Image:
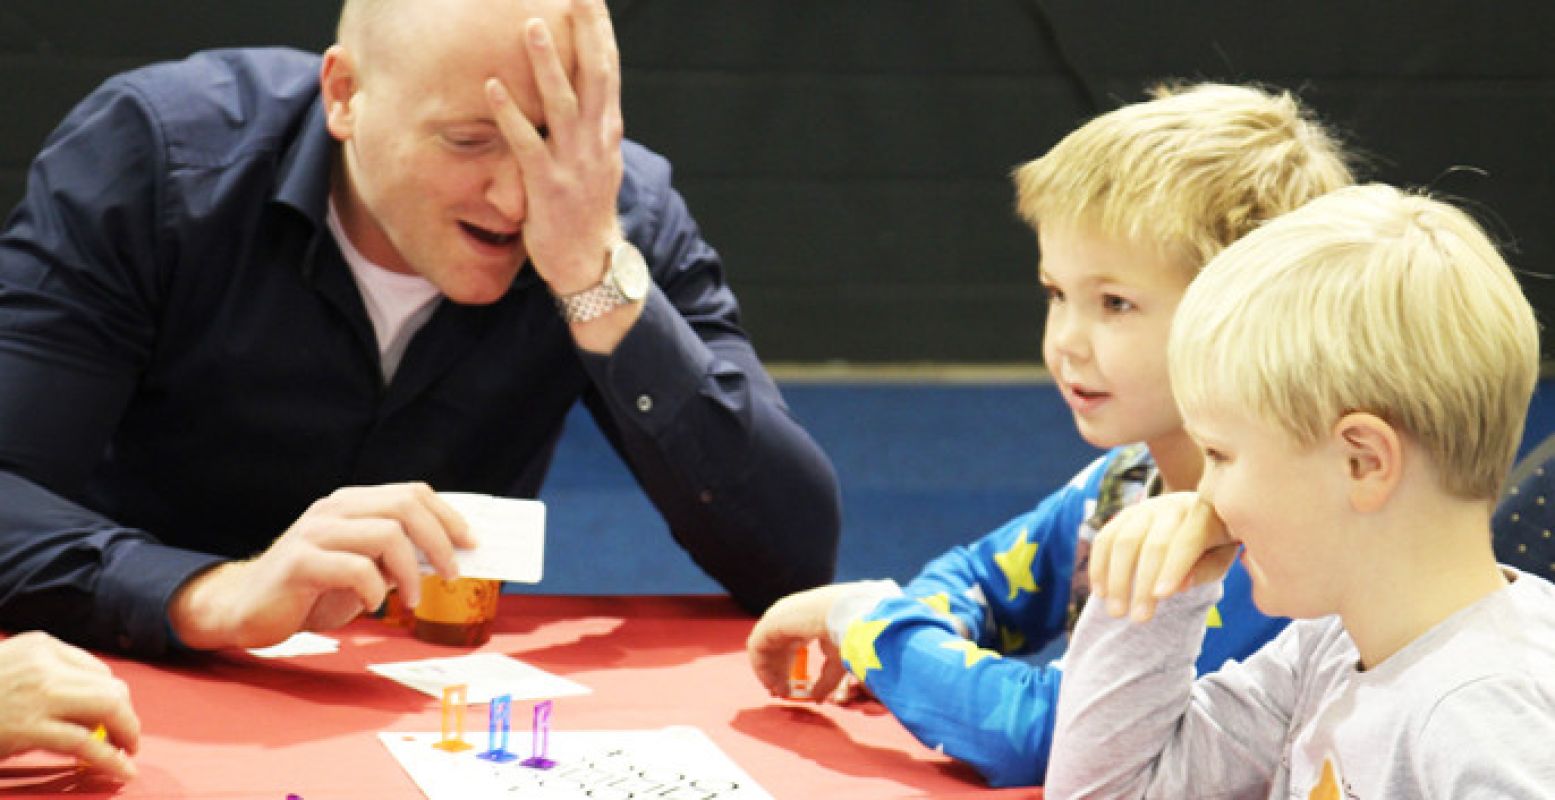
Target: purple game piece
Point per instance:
(540, 742)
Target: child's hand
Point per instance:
(1148, 552)
(792, 623)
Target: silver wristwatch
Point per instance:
(626, 281)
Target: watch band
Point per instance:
(591, 303)
(625, 281)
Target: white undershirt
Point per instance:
(398, 304)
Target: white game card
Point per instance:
(511, 536)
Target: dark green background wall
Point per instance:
(849, 157)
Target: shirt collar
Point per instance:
(303, 177)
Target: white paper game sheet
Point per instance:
(674, 763)
(485, 675)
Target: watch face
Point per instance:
(629, 271)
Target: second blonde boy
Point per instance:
(1127, 209)
(1357, 374)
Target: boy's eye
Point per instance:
(1115, 303)
(1053, 293)
(1214, 456)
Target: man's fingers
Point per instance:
(328, 569)
(454, 523)
(412, 512)
(599, 61)
(556, 92)
(516, 128)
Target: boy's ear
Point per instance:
(1374, 457)
(337, 87)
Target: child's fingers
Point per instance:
(1127, 535)
(832, 673)
(1181, 551)
(1188, 550)
(770, 661)
(1157, 542)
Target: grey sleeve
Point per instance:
(1132, 721)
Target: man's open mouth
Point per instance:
(489, 237)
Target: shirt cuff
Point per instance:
(137, 587)
(655, 369)
(860, 599)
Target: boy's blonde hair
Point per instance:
(1369, 299)
(1189, 172)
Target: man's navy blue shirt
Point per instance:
(186, 365)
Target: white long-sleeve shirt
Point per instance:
(1467, 710)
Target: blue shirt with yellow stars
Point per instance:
(936, 656)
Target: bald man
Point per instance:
(256, 305)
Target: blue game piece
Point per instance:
(500, 712)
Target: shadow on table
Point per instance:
(54, 779)
(248, 688)
(626, 634)
(818, 738)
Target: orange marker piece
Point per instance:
(799, 674)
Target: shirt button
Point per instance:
(644, 403)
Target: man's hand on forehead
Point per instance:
(571, 172)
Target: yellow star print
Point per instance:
(1015, 563)
(1327, 787)
(858, 646)
(1214, 617)
(969, 650)
(939, 602)
(1011, 639)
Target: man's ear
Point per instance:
(1374, 459)
(337, 89)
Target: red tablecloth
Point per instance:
(235, 726)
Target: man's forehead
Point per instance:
(468, 25)
(442, 44)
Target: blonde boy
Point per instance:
(1126, 209)
(1357, 375)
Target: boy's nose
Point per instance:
(1068, 336)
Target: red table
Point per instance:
(235, 726)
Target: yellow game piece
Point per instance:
(453, 707)
(99, 734)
